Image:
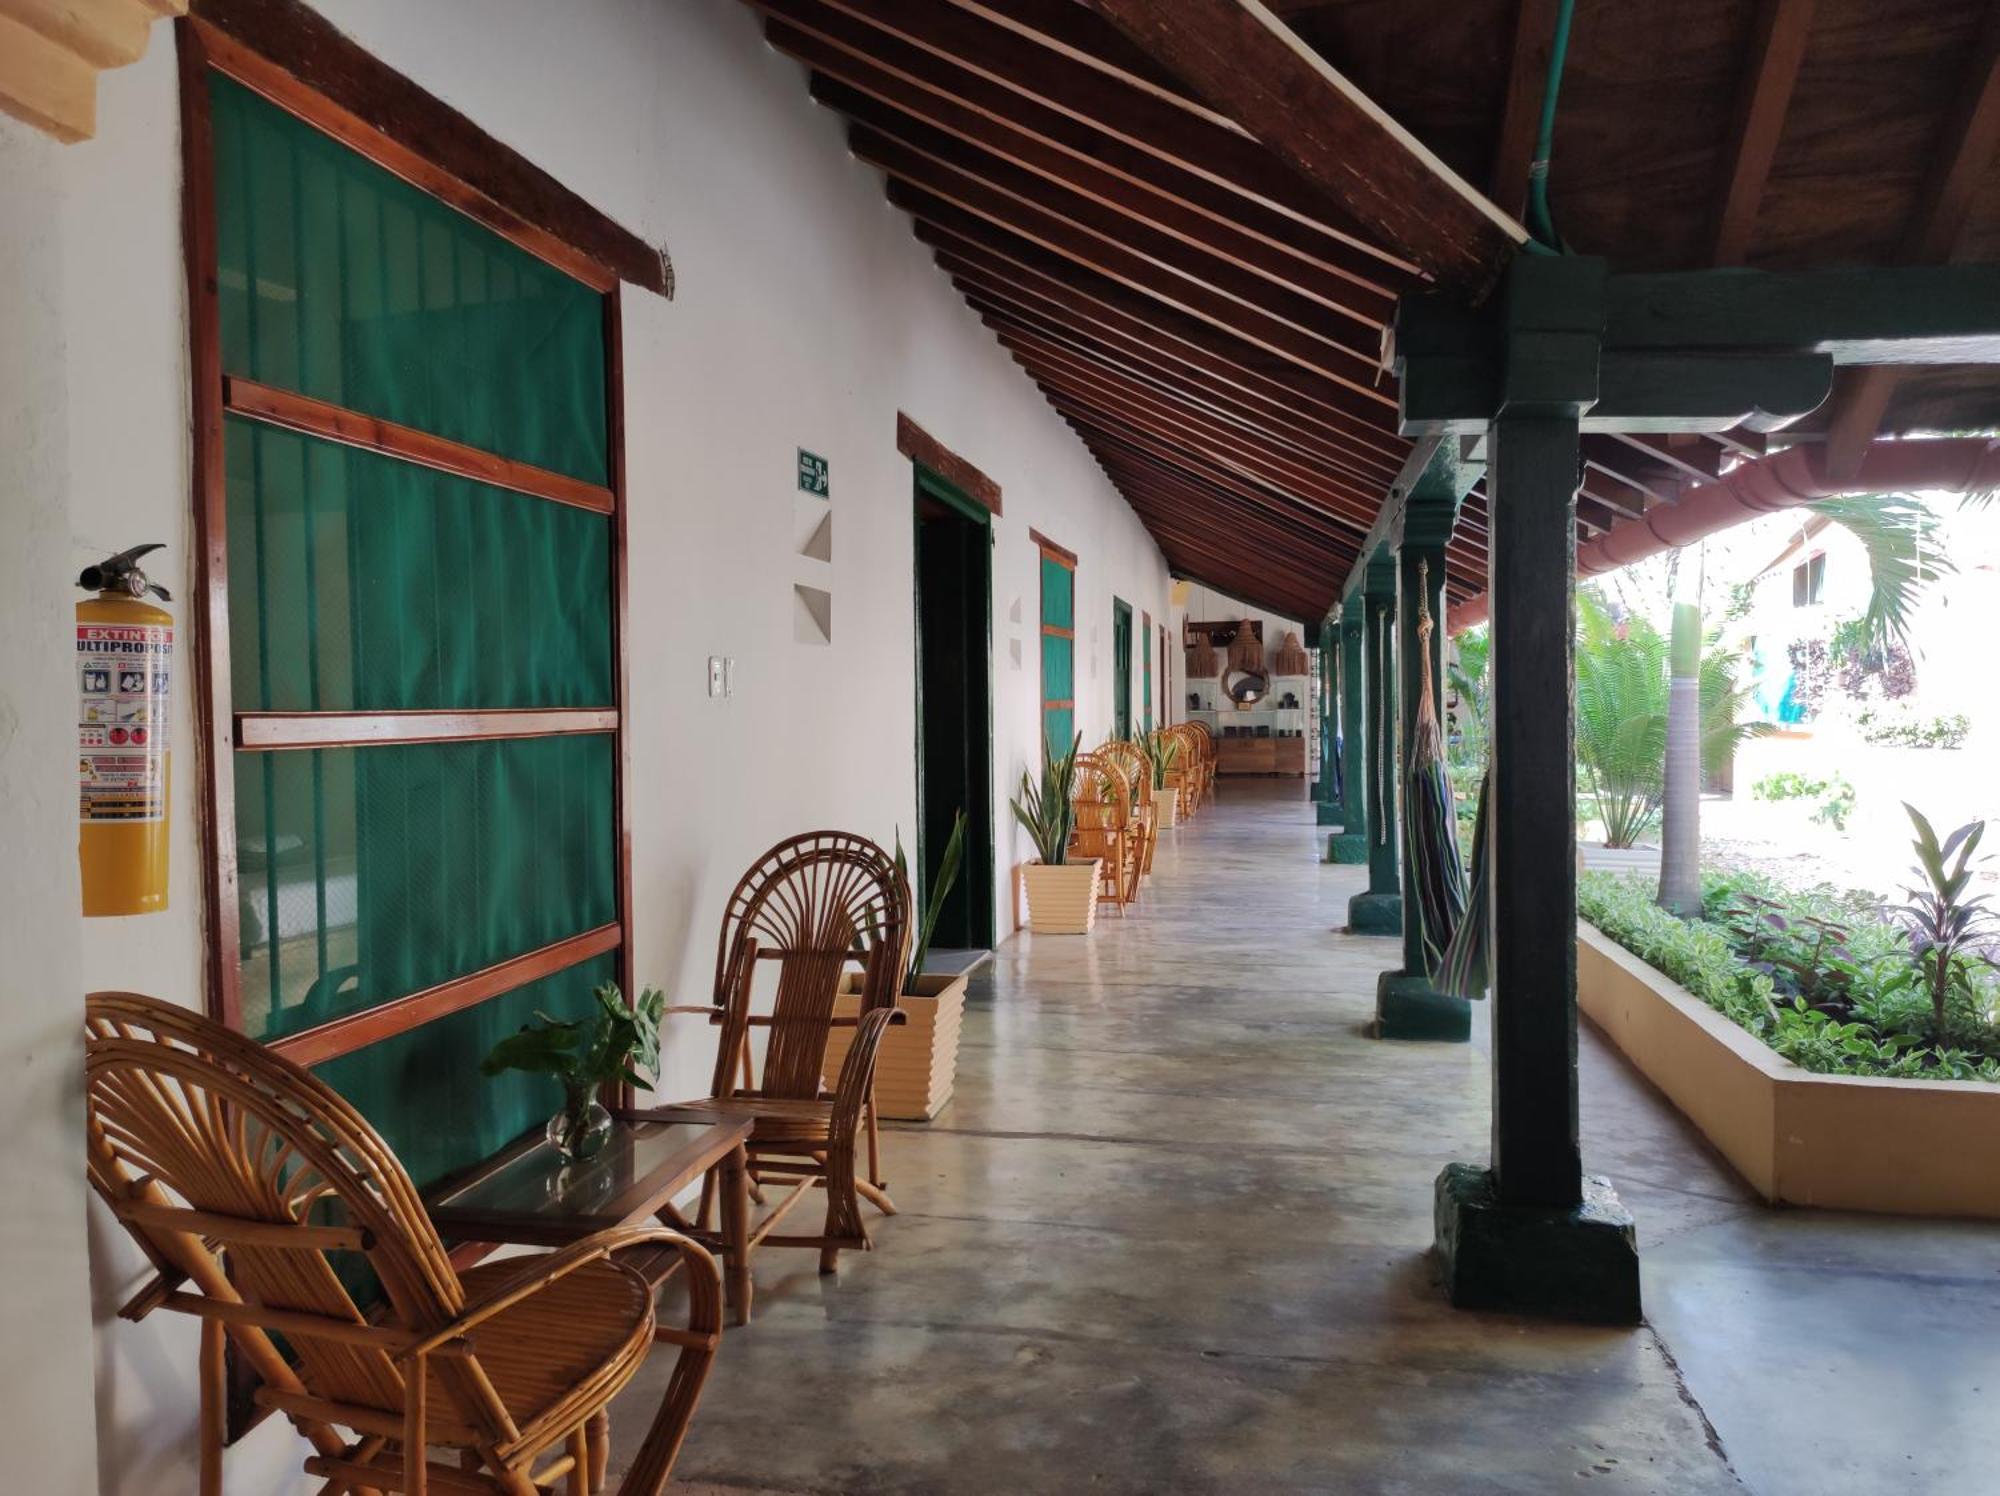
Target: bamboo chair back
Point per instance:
(1138, 771)
(196, 1132)
(815, 904)
(1131, 762)
(1104, 826)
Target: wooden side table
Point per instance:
(529, 1194)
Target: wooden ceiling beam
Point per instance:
(1274, 422)
(963, 138)
(1520, 114)
(920, 153)
(1142, 119)
(1229, 531)
(1284, 507)
(918, 185)
(1233, 537)
(1225, 531)
(1697, 461)
(1965, 152)
(944, 225)
(1294, 483)
(1256, 70)
(1216, 452)
(1182, 350)
(1777, 47)
(1057, 344)
(1039, 137)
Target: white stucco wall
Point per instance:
(807, 315)
(45, 1415)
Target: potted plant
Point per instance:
(614, 1043)
(918, 1062)
(1163, 751)
(1062, 895)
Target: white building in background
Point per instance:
(1816, 578)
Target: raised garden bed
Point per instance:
(1903, 1147)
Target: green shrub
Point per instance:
(1846, 1004)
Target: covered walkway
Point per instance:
(1171, 1237)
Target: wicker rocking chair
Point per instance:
(1138, 771)
(244, 1178)
(1105, 829)
(816, 905)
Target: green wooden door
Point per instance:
(1121, 668)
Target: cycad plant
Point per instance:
(1622, 694)
(1044, 806)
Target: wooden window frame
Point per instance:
(221, 733)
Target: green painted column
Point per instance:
(1329, 809)
(1530, 1232)
(1379, 910)
(1407, 1004)
(1350, 843)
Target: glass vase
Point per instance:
(581, 1129)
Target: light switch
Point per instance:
(729, 675)
(716, 676)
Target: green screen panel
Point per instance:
(359, 582)
(339, 280)
(423, 1092)
(1058, 594)
(370, 873)
(1058, 668)
(1059, 729)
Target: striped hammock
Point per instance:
(1463, 970)
(1430, 814)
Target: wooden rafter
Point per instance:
(1777, 48)
(949, 95)
(1965, 151)
(1254, 68)
(1527, 79)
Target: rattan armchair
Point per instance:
(250, 1185)
(1138, 771)
(1101, 798)
(816, 906)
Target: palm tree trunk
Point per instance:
(1680, 832)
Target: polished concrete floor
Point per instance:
(1171, 1236)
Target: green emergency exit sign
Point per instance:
(813, 474)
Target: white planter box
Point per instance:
(1061, 900)
(918, 1062)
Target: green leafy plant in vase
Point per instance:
(615, 1042)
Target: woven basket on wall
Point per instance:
(1291, 658)
(1203, 663)
(1246, 650)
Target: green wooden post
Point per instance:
(1407, 1004)
(1350, 843)
(1530, 1232)
(1379, 910)
(1329, 809)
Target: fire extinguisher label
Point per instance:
(124, 677)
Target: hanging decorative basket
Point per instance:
(1246, 650)
(1203, 663)
(1291, 658)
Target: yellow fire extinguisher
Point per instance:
(124, 676)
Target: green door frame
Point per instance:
(1121, 668)
(976, 870)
